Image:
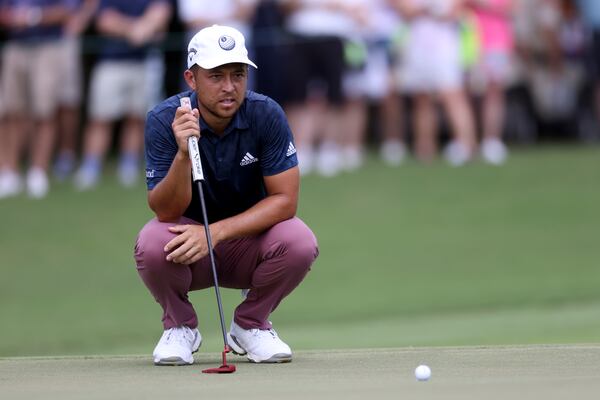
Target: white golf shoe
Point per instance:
(260, 346)
(176, 346)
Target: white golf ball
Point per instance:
(423, 373)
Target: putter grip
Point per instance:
(193, 149)
(194, 152)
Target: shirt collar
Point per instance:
(239, 121)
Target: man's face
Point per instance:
(221, 90)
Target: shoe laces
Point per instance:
(264, 333)
(180, 334)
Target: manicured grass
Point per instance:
(466, 373)
(416, 255)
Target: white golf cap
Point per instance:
(218, 45)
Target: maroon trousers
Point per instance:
(271, 265)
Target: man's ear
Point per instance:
(190, 79)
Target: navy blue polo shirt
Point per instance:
(258, 142)
(35, 34)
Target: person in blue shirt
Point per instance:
(251, 189)
(31, 76)
(119, 87)
(81, 14)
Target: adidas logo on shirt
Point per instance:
(248, 159)
(291, 150)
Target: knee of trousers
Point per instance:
(149, 251)
(296, 246)
(303, 249)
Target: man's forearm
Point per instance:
(115, 24)
(280, 204)
(87, 10)
(157, 17)
(172, 196)
(263, 215)
(54, 15)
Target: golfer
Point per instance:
(251, 188)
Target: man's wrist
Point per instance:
(217, 232)
(182, 156)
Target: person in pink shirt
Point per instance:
(493, 19)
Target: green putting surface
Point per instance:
(519, 372)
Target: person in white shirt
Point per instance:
(432, 69)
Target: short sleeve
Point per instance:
(278, 152)
(160, 150)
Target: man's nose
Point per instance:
(228, 83)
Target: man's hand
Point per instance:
(187, 247)
(185, 124)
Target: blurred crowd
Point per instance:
(422, 78)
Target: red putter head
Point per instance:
(223, 369)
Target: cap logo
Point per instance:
(191, 54)
(226, 42)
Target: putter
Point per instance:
(198, 176)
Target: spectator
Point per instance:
(432, 68)
(31, 68)
(550, 69)
(369, 80)
(269, 41)
(119, 89)
(3, 192)
(494, 29)
(314, 70)
(71, 89)
(391, 113)
(384, 36)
